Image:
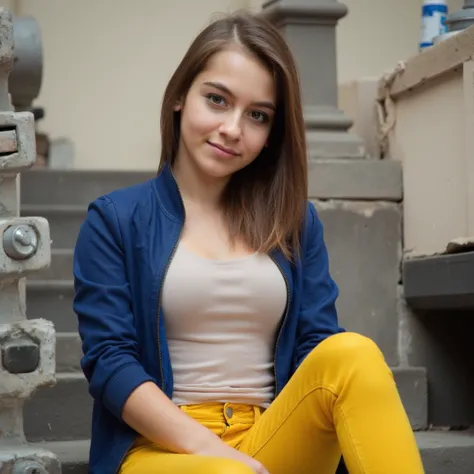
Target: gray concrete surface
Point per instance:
(442, 453)
(412, 384)
(76, 187)
(355, 179)
(61, 413)
(64, 222)
(447, 452)
(364, 245)
(441, 341)
(52, 300)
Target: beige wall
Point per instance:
(106, 64)
(376, 34)
(10, 4)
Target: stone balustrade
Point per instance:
(27, 347)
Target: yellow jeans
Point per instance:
(342, 398)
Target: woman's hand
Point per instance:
(152, 414)
(217, 448)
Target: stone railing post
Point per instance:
(27, 348)
(309, 27)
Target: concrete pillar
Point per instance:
(27, 348)
(309, 27)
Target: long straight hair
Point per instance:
(264, 203)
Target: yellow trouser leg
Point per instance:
(343, 396)
(146, 457)
(150, 460)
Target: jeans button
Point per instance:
(229, 412)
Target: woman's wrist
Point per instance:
(203, 441)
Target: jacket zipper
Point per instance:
(163, 281)
(158, 318)
(287, 310)
(159, 306)
(158, 334)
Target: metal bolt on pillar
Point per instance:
(27, 347)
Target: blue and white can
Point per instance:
(433, 21)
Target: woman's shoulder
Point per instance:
(312, 222)
(129, 196)
(124, 201)
(312, 232)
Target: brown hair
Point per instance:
(265, 202)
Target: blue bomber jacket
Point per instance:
(123, 250)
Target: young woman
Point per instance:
(205, 304)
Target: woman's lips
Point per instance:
(222, 150)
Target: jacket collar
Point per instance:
(168, 193)
(170, 199)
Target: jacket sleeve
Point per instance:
(103, 306)
(317, 318)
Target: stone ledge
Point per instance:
(428, 65)
(442, 453)
(48, 187)
(447, 452)
(439, 282)
(355, 179)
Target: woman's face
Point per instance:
(227, 114)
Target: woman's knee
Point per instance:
(346, 347)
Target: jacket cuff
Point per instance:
(121, 385)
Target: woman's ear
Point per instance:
(179, 105)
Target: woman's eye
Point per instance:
(216, 99)
(259, 116)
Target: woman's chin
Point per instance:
(217, 170)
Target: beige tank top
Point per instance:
(221, 318)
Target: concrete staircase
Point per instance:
(60, 416)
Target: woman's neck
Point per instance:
(202, 191)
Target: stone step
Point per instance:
(68, 352)
(360, 179)
(443, 452)
(447, 452)
(59, 413)
(49, 187)
(48, 415)
(60, 268)
(52, 299)
(64, 221)
(411, 382)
